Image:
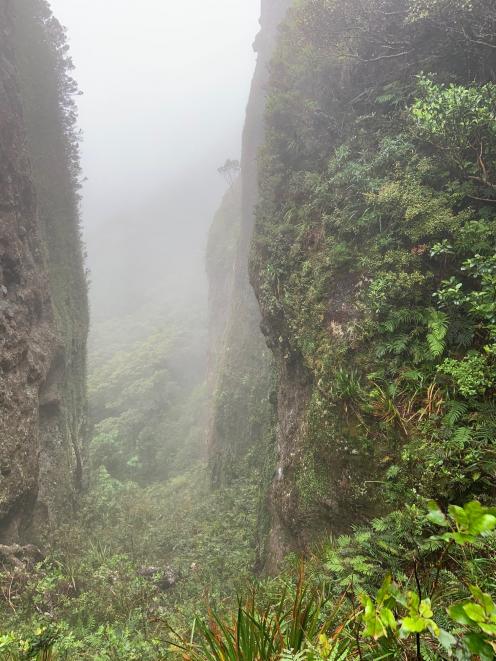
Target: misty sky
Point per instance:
(165, 86)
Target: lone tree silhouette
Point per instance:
(229, 170)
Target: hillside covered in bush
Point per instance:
(316, 479)
(373, 257)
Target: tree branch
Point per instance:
(381, 57)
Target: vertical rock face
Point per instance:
(241, 373)
(274, 538)
(272, 13)
(26, 321)
(42, 345)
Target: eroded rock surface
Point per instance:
(40, 464)
(26, 325)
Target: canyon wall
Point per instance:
(43, 303)
(241, 430)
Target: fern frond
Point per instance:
(461, 437)
(485, 433)
(437, 324)
(403, 317)
(379, 525)
(455, 411)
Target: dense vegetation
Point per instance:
(374, 265)
(89, 601)
(151, 540)
(374, 255)
(147, 401)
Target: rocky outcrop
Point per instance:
(164, 578)
(47, 92)
(26, 320)
(19, 557)
(241, 430)
(41, 414)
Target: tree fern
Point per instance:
(413, 375)
(363, 536)
(379, 525)
(343, 541)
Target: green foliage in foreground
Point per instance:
(375, 268)
(414, 585)
(439, 605)
(89, 593)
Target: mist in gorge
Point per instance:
(247, 330)
(164, 91)
(128, 115)
(165, 87)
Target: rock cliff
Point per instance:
(241, 430)
(43, 304)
